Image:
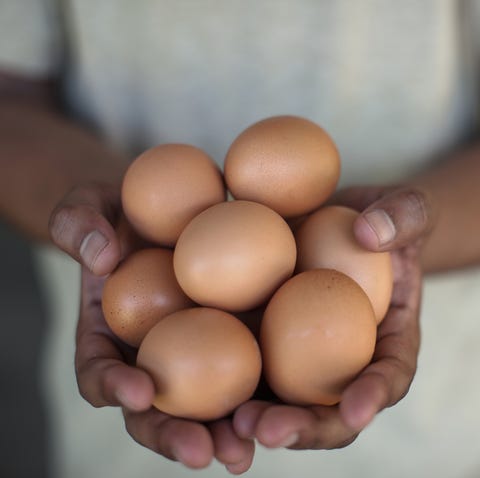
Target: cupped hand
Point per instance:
(88, 225)
(392, 219)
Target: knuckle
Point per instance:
(131, 426)
(138, 429)
(87, 193)
(403, 387)
(69, 223)
(86, 393)
(418, 202)
(58, 223)
(92, 381)
(404, 371)
(62, 221)
(418, 207)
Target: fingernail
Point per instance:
(288, 441)
(382, 225)
(92, 245)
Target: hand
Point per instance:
(392, 219)
(88, 225)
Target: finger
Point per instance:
(81, 225)
(234, 452)
(180, 440)
(284, 426)
(102, 375)
(388, 378)
(109, 382)
(246, 417)
(382, 385)
(359, 197)
(366, 397)
(394, 220)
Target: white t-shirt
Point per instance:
(395, 83)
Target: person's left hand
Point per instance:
(392, 219)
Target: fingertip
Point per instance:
(374, 229)
(361, 402)
(246, 417)
(234, 452)
(194, 458)
(280, 426)
(239, 468)
(81, 226)
(395, 220)
(99, 252)
(357, 417)
(364, 234)
(134, 400)
(132, 388)
(193, 448)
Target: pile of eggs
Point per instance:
(273, 257)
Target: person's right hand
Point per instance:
(88, 226)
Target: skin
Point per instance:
(35, 135)
(419, 221)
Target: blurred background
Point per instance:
(24, 426)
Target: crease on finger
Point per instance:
(143, 428)
(95, 382)
(230, 449)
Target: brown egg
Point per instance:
(168, 185)
(204, 363)
(325, 240)
(318, 332)
(234, 255)
(288, 163)
(140, 292)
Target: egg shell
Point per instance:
(204, 363)
(318, 332)
(166, 186)
(288, 163)
(140, 292)
(234, 255)
(326, 240)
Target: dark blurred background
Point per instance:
(24, 438)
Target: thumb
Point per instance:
(395, 219)
(81, 225)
